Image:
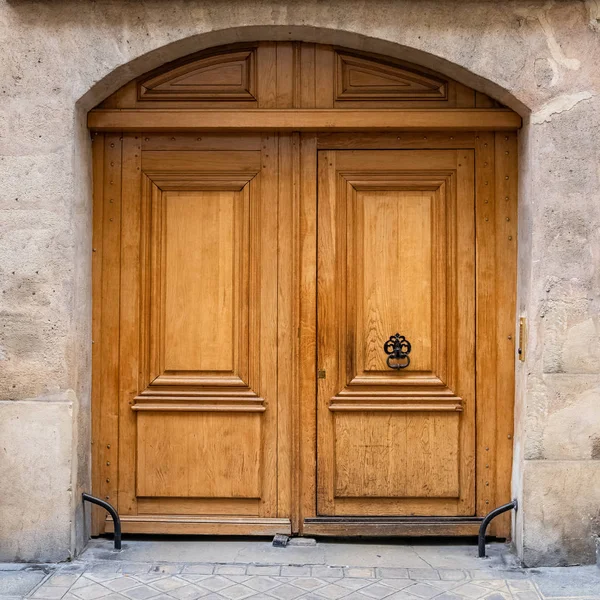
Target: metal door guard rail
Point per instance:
(486, 521)
(113, 513)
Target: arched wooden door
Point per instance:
(304, 296)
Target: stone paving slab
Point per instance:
(17, 581)
(126, 580)
(208, 569)
(363, 554)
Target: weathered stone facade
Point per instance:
(59, 59)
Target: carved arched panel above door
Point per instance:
(293, 75)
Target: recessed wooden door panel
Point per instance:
(396, 255)
(199, 428)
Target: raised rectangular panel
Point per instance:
(226, 75)
(394, 275)
(202, 301)
(399, 279)
(396, 455)
(199, 455)
(202, 256)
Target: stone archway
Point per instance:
(355, 40)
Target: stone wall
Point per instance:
(60, 58)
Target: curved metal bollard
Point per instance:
(486, 521)
(113, 513)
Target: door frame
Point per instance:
(297, 89)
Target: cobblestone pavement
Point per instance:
(122, 580)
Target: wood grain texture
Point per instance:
(286, 76)
(288, 422)
(416, 527)
(221, 76)
(207, 406)
(506, 179)
(393, 263)
(196, 327)
(202, 525)
(178, 160)
(110, 326)
(194, 141)
(202, 237)
(394, 141)
(194, 309)
(130, 315)
(389, 455)
(289, 74)
(316, 119)
(487, 361)
(307, 329)
(265, 343)
(267, 75)
(98, 514)
(464, 290)
(199, 455)
(358, 78)
(324, 81)
(198, 506)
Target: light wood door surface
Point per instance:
(198, 338)
(245, 288)
(396, 255)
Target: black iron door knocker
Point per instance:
(397, 348)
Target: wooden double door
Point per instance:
(290, 331)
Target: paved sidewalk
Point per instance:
(115, 577)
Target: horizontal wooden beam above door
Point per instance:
(303, 119)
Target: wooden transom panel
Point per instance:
(227, 76)
(293, 75)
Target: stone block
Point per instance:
(37, 506)
(560, 512)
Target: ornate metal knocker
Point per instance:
(397, 348)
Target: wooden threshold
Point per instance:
(149, 120)
(192, 525)
(392, 526)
